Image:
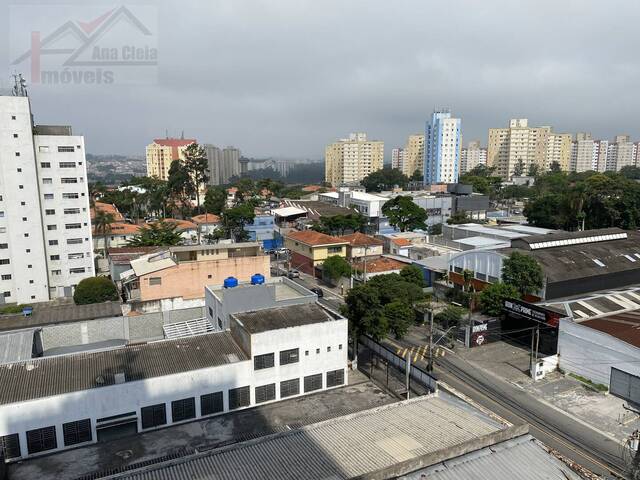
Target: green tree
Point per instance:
(340, 224)
(157, 234)
(235, 219)
(215, 236)
(404, 214)
(399, 317)
(102, 222)
(215, 200)
(393, 287)
(534, 170)
(555, 167)
(458, 218)
(522, 272)
(179, 185)
(196, 165)
(452, 315)
(413, 274)
(417, 176)
(335, 267)
(385, 179)
(518, 170)
(95, 290)
(435, 229)
(630, 171)
(493, 296)
(363, 310)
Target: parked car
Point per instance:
(317, 291)
(293, 274)
(281, 251)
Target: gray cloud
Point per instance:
(286, 77)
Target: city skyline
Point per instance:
(275, 103)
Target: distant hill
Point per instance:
(114, 169)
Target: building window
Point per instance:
(10, 445)
(66, 149)
(261, 362)
(48, 196)
(306, 353)
(47, 181)
(6, 276)
(17, 154)
(312, 383)
(239, 397)
(334, 249)
(77, 270)
(67, 164)
(211, 403)
(41, 439)
(52, 227)
(13, 117)
(56, 272)
(70, 195)
(154, 415)
(6, 294)
(155, 281)
(75, 256)
(289, 356)
(69, 180)
(50, 211)
(43, 149)
(45, 164)
(4, 261)
(289, 388)
(71, 211)
(340, 347)
(19, 170)
(54, 257)
(264, 393)
(77, 432)
(328, 348)
(335, 378)
(71, 226)
(183, 409)
(73, 241)
(317, 351)
(3, 246)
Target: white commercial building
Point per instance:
(280, 344)
(45, 229)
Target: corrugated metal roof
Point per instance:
(44, 377)
(342, 448)
(16, 346)
(521, 458)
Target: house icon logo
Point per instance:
(87, 46)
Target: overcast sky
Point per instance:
(286, 77)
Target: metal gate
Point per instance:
(625, 385)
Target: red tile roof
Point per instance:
(311, 188)
(119, 228)
(107, 208)
(361, 240)
(205, 218)
(174, 142)
(313, 238)
(182, 224)
(379, 265)
(401, 242)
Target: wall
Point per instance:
(591, 354)
(357, 252)
(188, 279)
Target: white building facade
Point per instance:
(443, 141)
(45, 227)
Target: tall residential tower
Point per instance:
(351, 159)
(442, 148)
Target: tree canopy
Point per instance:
(336, 267)
(215, 200)
(95, 290)
(385, 179)
(522, 272)
(235, 219)
(493, 296)
(339, 224)
(157, 234)
(404, 214)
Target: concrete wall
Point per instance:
(188, 279)
(358, 251)
(591, 354)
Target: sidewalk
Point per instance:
(602, 411)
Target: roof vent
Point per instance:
(119, 378)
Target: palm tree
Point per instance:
(102, 222)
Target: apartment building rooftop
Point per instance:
(48, 376)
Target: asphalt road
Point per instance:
(580, 443)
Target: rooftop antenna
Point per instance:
(182, 136)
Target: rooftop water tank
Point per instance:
(230, 282)
(257, 279)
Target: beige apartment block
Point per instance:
(517, 144)
(559, 150)
(472, 156)
(162, 152)
(413, 155)
(351, 159)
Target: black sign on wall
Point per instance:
(532, 312)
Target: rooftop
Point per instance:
(561, 238)
(215, 246)
(283, 317)
(361, 240)
(106, 208)
(401, 242)
(288, 211)
(598, 303)
(623, 326)
(205, 218)
(313, 238)
(47, 313)
(48, 376)
(379, 265)
(119, 228)
(320, 209)
(364, 443)
(174, 142)
(181, 224)
(16, 346)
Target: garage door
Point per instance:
(625, 385)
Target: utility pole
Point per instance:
(531, 364)
(408, 372)
(429, 314)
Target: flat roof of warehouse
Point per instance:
(48, 376)
(283, 317)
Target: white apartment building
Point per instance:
(222, 164)
(45, 227)
(351, 159)
(621, 153)
(443, 142)
(472, 156)
(397, 158)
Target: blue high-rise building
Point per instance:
(442, 144)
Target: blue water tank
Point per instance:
(257, 279)
(230, 282)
